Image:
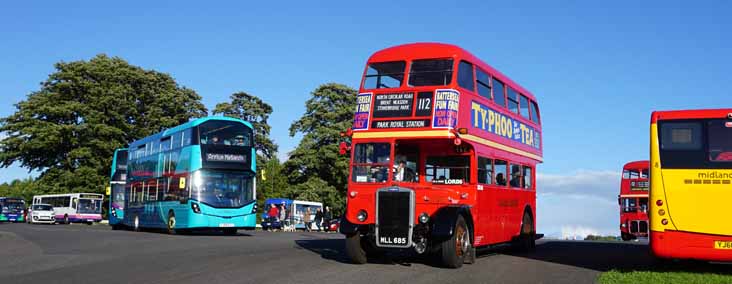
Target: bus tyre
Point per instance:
(455, 249)
(136, 224)
(66, 220)
(626, 237)
(171, 223)
(526, 241)
(116, 227)
(355, 251)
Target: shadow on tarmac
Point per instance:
(618, 256)
(598, 256)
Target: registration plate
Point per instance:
(226, 225)
(722, 245)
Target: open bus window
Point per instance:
(720, 141)
(644, 173)
(515, 176)
(405, 167)
(501, 168)
(448, 170)
(384, 75)
(371, 162)
(430, 72)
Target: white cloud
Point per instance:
(575, 205)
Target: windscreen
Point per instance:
(42, 208)
(696, 144)
(371, 162)
(224, 189)
(13, 206)
(231, 133)
(90, 206)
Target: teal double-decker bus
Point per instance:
(117, 181)
(198, 175)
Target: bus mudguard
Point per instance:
(443, 221)
(347, 228)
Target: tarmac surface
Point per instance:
(97, 254)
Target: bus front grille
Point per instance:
(394, 217)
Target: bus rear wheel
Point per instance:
(526, 241)
(455, 249)
(171, 223)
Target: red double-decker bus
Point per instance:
(444, 151)
(633, 201)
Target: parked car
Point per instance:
(41, 213)
(334, 224)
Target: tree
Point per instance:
(68, 129)
(316, 166)
(254, 110)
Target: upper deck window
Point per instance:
(534, 112)
(524, 106)
(430, 72)
(513, 102)
(465, 75)
(483, 81)
(384, 75)
(498, 92)
(218, 132)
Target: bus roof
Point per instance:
(637, 165)
(691, 114)
(184, 126)
(428, 50)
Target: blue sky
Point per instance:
(598, 70)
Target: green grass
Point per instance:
(615, 276)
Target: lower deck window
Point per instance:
(448, 170)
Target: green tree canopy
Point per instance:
(68, 129)
(316, 166)
(254, 110)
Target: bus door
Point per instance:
(484, 215)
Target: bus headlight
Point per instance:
(254, 208)
(195, 208)
(424, 218)
(114, 212)
(197, 179)
(362, 215)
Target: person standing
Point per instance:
(272, 214)
(283, 216)
(318, 218)
(327, 216)
(306, 219)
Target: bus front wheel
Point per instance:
(136, 226)
(355, 249)
(455, 249)
(66, 220)
(171, 223)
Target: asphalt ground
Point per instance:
(97, 254)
